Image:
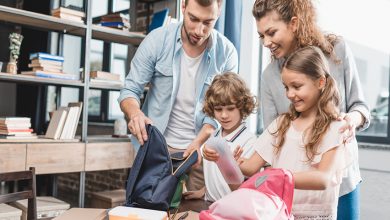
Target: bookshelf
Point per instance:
(83, 153)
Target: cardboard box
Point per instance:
(9, 213)
(130, 213)
(108, 199)
(83, 214)
(47, 207)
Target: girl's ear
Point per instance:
(322, 83)
(294, 23)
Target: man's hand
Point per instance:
(137, 124)
(210, 154)
(192, 147)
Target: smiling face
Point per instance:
(303, 91)
(277, 35)
(228, 116)
(198, 22)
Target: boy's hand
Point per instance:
(198, 194)
(237, 152)
(240, 160)
(210, 154)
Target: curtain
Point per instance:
(229, 22)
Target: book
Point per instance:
(40, 61)
(159, 19)
(104, 75)
(10, 120)
(70, 123)
(114, 24)
(13, 137)
(56, 124)
(46, 56)
(69, 17)
(80, 107)
(69, 11)
(46, 69)
(15, 126)
(45, 74)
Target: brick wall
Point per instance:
(68, 184)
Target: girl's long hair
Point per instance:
(308, 33)
(311, 62)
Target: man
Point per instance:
(179, 61)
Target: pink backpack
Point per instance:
(266, 195)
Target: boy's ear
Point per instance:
(294, 23)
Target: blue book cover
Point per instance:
(159, 19)
(46, 56)
(106, 23)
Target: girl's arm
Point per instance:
(321, 178)
(252, 165)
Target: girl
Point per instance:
(306, 139)
(229, 101)
(285, 26)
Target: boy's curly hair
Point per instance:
(229, 89)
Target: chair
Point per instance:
(29, 194)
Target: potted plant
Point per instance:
(14, 47)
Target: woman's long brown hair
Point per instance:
(308, 33)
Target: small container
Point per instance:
(120, 127)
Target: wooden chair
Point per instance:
(29, 194)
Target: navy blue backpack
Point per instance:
(154, 177)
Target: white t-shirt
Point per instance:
(216, 186)
(180, 130)
(307, 204)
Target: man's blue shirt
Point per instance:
(157, 61)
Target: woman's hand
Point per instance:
(352, 120)
(210, 154)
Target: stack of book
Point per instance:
(16, 128)
(117, 20)
(64, 121)
(48, 66)
(70, 13)
(104, 78)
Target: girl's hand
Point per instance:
(237, 152)
(210, 154)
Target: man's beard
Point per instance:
(188, 35)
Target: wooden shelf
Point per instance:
(116, 36)
(108, 86)
(48, 22)
(18, 78)
(40, 139)
(38, 20)
(106, 138)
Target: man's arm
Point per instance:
(137, 119)
(202, 136)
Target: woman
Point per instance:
(285, 26)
